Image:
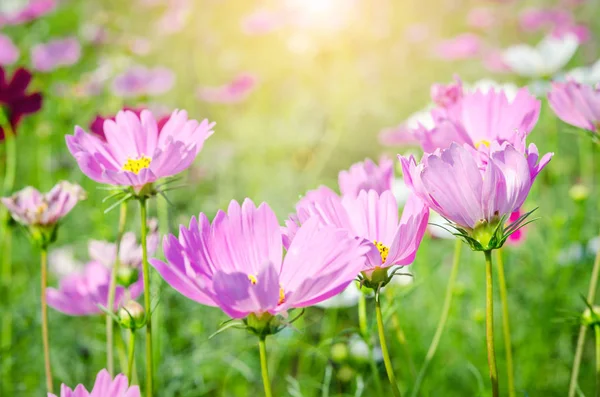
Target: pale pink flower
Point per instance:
(576, 104)
(367, 175)
(9, 53)
(263, 21)
(233, 92)
(481, 18)
(141, 81)
(236, 262)
(104, 386)
(33, 9)
(55, 54)
(463, 46)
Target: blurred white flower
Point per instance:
(347, 298)
(570, 254)
(543, 60)
(585, 74)
(62, 261)
(436, 231)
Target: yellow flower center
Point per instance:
(252, 279)
(482, 142)
(281, 296)
(383, 250)
(136, 165)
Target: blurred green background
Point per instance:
(322, 97)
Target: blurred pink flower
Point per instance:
(9, 53)
(79, 294)
(403, 135)
(140, 46)
(262, 21)
(534, 19)
(519, 236)
(447, 95)
(481, 18)
(417, 32)
(367, 175)
(463, 46)
(135, 152)
(233, 92)
(141, 81)
(582, 32)
(494, 62)
(369, 217)
(104, 386)
(55, 53)
(29, 207)
(576, 104)
(30, 11)
(175, 17)
(236, 263)
(470, 189)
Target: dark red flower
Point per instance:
(97, 125)
(14, 101)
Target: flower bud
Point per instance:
(263, 324)
(132, 315)
(345, 374)
(339, 352)
(591, 318)
(127, 275)
(579, 192)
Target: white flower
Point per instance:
(436, 231)
(543, 60)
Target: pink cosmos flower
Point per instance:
(463, 46)
(32, 208)
(79, 294)
(9, 53)
(580, 31)
(136, 153)
(55, 54)
(370, 217)
(367, 175)
(141, 81)
(480, 118)
(236, 263)
(175, 17)
(30, 11)
(235, 91)
(471, 189)
(104, 386)
(576, 104)
(97, 125)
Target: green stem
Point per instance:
(131, 356)
(489, 323)
(112, 288)
(597, 333)
(506, 326)
(384, 350)
(147, 303)
(583, 329)
(444, 317)
(44, 279)
(264, 366)
(6, 339)
(364, 333)
(121, 350)
(11, 158)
